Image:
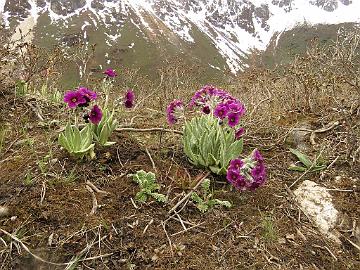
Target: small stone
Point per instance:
(54, 160)
(13, 218)
(338, 178)
(290, 237)
(4, 211)
(154, 258)
(282, 241)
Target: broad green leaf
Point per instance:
(297, 168)
(302, 157)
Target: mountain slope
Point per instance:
(232, 27)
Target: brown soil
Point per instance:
(263, 230)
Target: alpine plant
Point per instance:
(213, 137)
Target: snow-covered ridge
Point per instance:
(234, 26)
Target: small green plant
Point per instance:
(311, 166)
(146, 182)
(28, 180)
(21, 88)
(206, 202)
(2, 137)
(209, 144)
(104, 129)
(78, 142)
(269, 230)
(52, 94)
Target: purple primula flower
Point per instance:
(233, 175)
(128, 104)
(257, 156)
(236, 106)
(236, 179)
(74, 98)
(239, 133)
(130, 95)
(252, 172)
(95, 115)
(110, 73)
(236, 164)
(88, 94)
(174, 111)
(129, 99)
(221, 111)
(233, 119)
(206, 110)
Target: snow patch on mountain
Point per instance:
(233, 26)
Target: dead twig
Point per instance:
(94, 200)
(149, 130)
(147, 226)
(43, 192)
(168, 238)
(327, 249)
(28, 250)
(202, 178)
(151, 159)
(188, 229)
(97, 190)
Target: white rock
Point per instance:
(316, 202)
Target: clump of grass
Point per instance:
(269, 232)
(2, 137)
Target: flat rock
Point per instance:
(316, 202)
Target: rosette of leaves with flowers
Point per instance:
(212, 137)
(98, 124)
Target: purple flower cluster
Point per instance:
(110, 73)
(247, 174)
(129, 99)
(232, 109)
(206, 96)
(221, 103)
(174, 111)
(81, 98)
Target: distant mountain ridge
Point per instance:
(233, 27)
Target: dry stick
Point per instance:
(149, 130)
(95, 188)
(96, 257)
(167, 236)
(333, 162)
(43, 192)
(28, 250)
(189, 194)
(151, 159)
(188, 229)
(184, 221)
(82, 252)
(354, 245)
(327, 249)
(181, 221)
(340, 190)
(147, 226)
(94, 201)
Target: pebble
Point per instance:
(4, 211)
